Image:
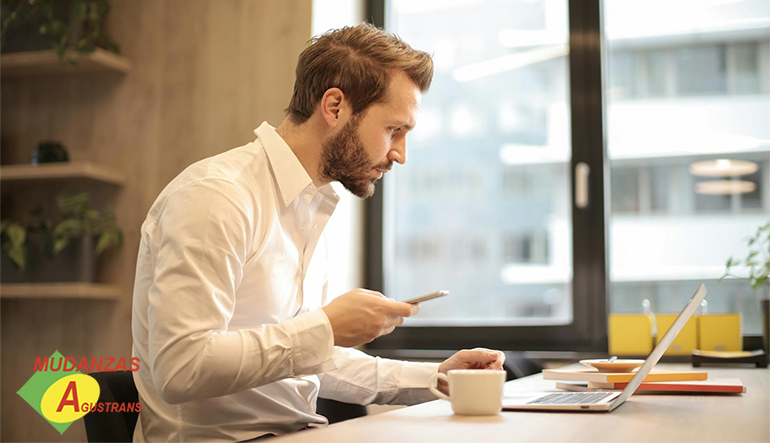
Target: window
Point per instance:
(485, 208)
(671, 226)
(690, 69)
(701, 70)
(496, 145)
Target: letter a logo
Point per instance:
(71, 388)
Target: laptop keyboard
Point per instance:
(571, 398)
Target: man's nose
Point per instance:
(398, 152)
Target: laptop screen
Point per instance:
(664, 343)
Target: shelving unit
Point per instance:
(53, 291)
(83, 171)
(78, 170)
(42, 63)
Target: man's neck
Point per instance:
(306, 141)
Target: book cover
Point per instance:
(724, 385)
(621, 377)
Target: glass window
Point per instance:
(746, 68)
(625, 190)
(701, 70)
(482, 208)
(656, 69)
(672, 225)
(624, 71)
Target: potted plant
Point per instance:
(44, 251)
(757, 260)
(758, 263)
(64, 25)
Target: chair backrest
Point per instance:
(115, 387)
(517, 366)
(337, 411)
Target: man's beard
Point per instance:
(344, 159)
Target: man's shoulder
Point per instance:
(240, 171)
(240, 164)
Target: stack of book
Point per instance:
(656, 381)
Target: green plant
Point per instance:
(77, 218)
(69, 25)
(14, 235)
(757, 260)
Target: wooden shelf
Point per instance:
(40, 63)
(78, 170)
(57, 291)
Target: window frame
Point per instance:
(588, 332)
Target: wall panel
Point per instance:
(205, 74)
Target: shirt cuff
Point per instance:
(414, 382)
(312, 343)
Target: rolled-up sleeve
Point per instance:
(205, 230)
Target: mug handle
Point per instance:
(432, 385)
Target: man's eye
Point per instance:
(395, 131)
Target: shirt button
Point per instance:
(315, 226)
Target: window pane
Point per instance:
(746, 67)
(701, 70)
(657, 62)
(483, 208)
(703, 97)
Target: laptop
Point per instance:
(604, 401)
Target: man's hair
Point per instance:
(360, 61)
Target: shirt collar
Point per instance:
(291, 176)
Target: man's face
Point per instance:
(368, 144)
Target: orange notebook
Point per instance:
(719, 385)
(622, 377)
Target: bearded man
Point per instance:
(231, 319)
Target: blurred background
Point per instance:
(666, 103)
(484, 208)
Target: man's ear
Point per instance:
(333, 107)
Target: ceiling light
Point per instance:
(723, 168)
(725, 187)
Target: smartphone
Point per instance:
(426, 297)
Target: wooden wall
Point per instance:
(205, 74)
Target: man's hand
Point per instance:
(360, 316)
(478, 358)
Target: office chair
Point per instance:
(337, 411)
(115, 387)
(119, 426)
(517, 366)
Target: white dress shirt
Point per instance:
(226, 309)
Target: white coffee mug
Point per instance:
(472, 391)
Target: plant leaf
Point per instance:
(14, 236)
(104, 242)
(59, 245)
(69, 228)
(17, 256)
(70, 202)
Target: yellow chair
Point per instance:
(630, 334)
(720, 332)
(685, 341)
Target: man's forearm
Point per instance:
(364, 379)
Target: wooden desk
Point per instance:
(642, 418)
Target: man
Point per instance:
(230, 315)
